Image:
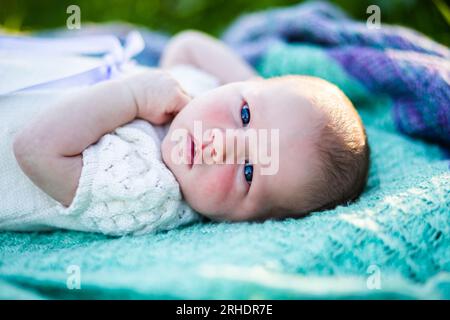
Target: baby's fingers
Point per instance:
(180, 101)
(173, 102)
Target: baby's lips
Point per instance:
(187, 152)
(197, 152)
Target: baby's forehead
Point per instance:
(286, 109)
(286, 96)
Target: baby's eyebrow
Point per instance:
(256, 107)
(251, 101)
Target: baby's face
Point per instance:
(226, 179)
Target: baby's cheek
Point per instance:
(219, 182)
(215, 114)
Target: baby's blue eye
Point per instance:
(245, 114)
(248, 172)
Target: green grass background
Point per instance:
(213, 16)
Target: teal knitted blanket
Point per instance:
(392, 243)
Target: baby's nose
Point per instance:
(225, 146)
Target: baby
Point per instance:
(319, 156)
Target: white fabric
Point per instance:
(124, 187)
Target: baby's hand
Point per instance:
(158, 96)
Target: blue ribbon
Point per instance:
(115, 56)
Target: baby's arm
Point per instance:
(208, 54)
(49, 149)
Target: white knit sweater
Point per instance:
(124, 187)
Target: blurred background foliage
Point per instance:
(430, 17)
